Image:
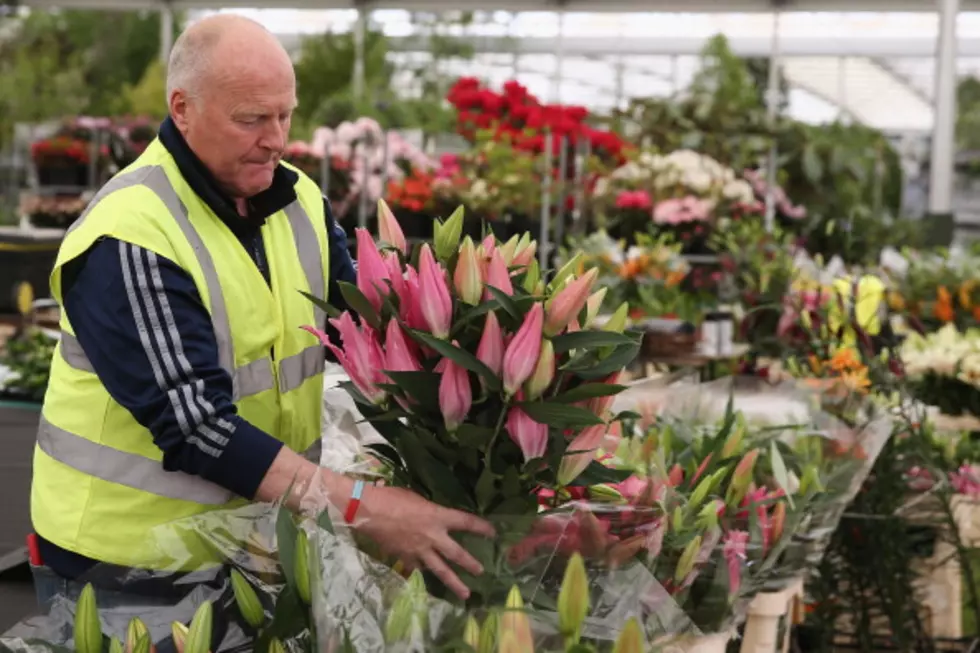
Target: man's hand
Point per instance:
(417, 531)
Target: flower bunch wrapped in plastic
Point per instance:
(487, 380)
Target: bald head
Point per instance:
(221, 46)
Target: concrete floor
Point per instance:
(16, 597)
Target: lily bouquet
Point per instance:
(485, 378)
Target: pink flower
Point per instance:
(490, 351)
(361, 356)
(455, 393)
(920, 479)
(582, 450)
(733, 549)
(395, 274)
(530, 436)
(434, 299)
(498, 276)
(410, 302)
(569, 302)
(399, 352)
(388, 228)
(372, 273)
(521, 355)
(965, 481)
(683, 210)
(635, 199)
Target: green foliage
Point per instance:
(29, 358)
(147, 97)
(968, 110)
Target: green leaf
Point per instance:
(812, 165)
(286, 541)
(462, 358)
(512, 486)
(587, 391)
(560, 415)
(359, 303)
(779, 471)
(587, 367)
(331, 311)
(589, 340)
(598, 474)
(439, 481)
(473, 436)
(485, 489)
(447, 234)
(423, 386)
(506, 302)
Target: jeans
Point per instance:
(48, 585)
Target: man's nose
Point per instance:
(274, 136)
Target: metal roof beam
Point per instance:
(597, 6)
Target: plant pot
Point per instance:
(63, 175)
(664, 343)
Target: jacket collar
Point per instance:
(272, 200)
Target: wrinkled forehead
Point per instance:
(265, 83)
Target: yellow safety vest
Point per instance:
(99, 488)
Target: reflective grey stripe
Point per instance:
(71, 351)
(158, 182)
(299, 367)
(254, 378)
(127, 469)
(308, 248)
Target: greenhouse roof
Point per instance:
(875, 68)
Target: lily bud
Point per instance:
(810, 480)
(617, 323)
(446, 235)
(778, 520)
(389, 231)
(396, 275)
(468, 277)
(525, 254)
(630, 638)
(410, 302)
(530, 436)
(743, 471)
(115, 646)
(498, 276)
(573, 598)
(199, 634)
(247, 600)
(708, 517)
(685, 564)
(581, 453)
(301, 568)
(515, 622)
(488, 634)
(593, 304)
(455, 393)
(88, 628)
(565, 306)
(372, 273)
(676, 476)
(532, 277)
(434, 299)
(178, 632)
(734, 440)
(677, 520)
(508, 249)
(701, 492)
(605, 494)
(543, 374)
(137, 637)
(471, 634)
(276, 646)
(399, 356)
(600, 405)
(566, 270)
(487, 247)
(522, 353)
(490, 351)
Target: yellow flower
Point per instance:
(965, 294)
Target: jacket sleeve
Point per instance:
(342, 268)
(149, 338)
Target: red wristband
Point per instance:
(355, 502)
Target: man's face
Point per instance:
(239, 124)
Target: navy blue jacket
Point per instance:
(217, 445)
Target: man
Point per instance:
(183, 382)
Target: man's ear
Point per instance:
(179, 106)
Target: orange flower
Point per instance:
(844, 360)
(943, 310)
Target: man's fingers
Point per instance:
(453, 552)
(439, 567)
(457, 520)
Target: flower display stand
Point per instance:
(766, 612)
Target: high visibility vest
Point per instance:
(99, 488)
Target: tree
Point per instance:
(147, 98)
(968, 114)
